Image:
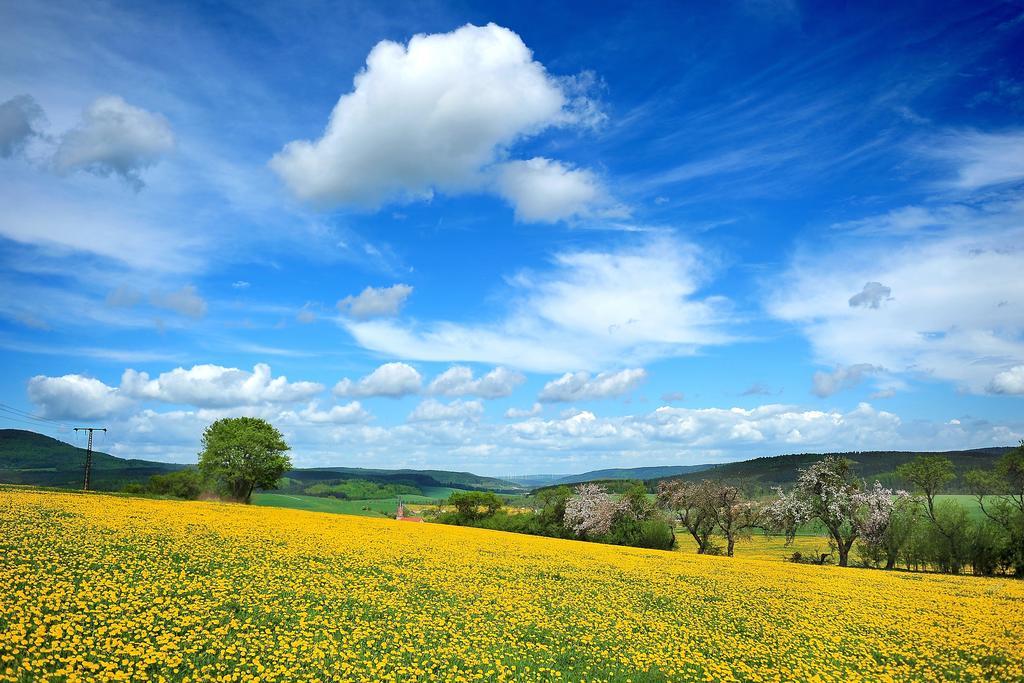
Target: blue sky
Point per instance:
(515, 238)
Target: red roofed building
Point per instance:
(400, 515)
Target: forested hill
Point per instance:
(31, 458)
(870, 465)
(458, 480)
(659, 472)
(36, 459)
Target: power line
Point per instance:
(26, 413)
(39, 426)
(21, 413)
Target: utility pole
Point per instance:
(88, 451)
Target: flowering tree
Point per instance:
(881, 534)
(734, 516)
(787, 513)
(691, 504)
(591, 512)
(828, 492)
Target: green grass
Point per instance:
(370, 508)
(970, 503)
(366, 508)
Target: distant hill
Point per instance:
(421, 478)
(642, 473)
(781, 470)
(31, 458)
(36, 459)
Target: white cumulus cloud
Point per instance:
(392, 380)
(75, 397)
(456, 435)
(217, 386)
(543, 190)
(1008, 381)
(350, 413)
(520, 413)
(432, 410)
(375, 302)
(117, 138)
(429, 115)
(458, 380)
(580, 386)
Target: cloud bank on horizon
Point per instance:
(473, 241)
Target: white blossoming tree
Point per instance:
(828, 492)
(885, 521)
(592, 511)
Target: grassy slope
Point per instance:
(366, 508)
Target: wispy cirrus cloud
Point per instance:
(590, 310)
(958, 311)
(980, 159)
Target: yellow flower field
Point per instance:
(96, 587)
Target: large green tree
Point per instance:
(930, 474)
(1000, 495)
(473, 505)
(241, 454)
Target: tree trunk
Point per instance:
(844, 551)
(731, 545)
(701, 543)
(842, 545)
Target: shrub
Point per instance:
(641, 533)
(186, 483)
(817, 558)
